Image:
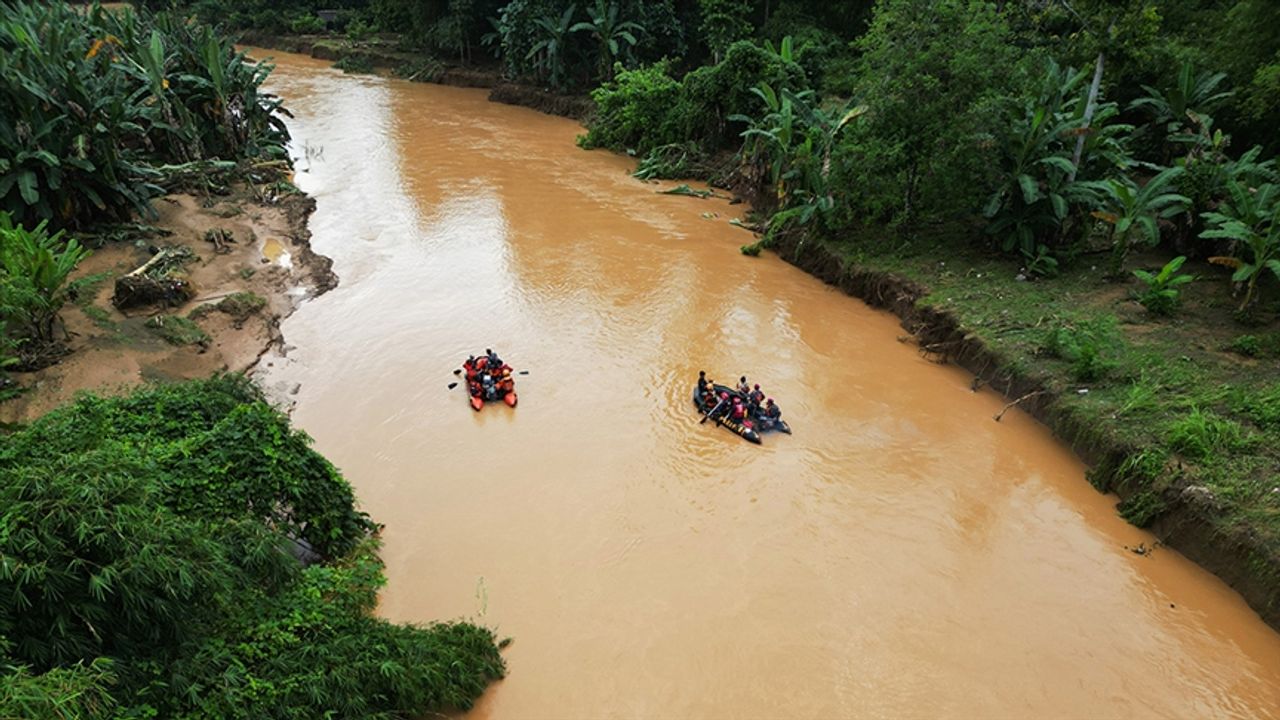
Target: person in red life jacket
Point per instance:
(755, 399)
(469, 367)
(739, 412)
(474, 387)
(506, 384)
(481, 364)
(719, 406)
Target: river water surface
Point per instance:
(901, 555)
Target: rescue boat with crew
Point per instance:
(486, 384)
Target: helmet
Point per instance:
(757, 386)
(770, 401)
(724, 396)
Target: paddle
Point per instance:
(713, 411)
(453, 385)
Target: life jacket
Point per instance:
(739, 412)
(482, 363)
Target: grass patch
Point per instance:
(177, 330)
(101, 317)
(1083, 344)
(241, 306)
(1201, 434)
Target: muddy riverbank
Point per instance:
(256, 274)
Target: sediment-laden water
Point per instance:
(901, 555)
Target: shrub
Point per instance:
(634, 111)
(154, 530)
(35, 270)
(711, 95)
(78, 691)
(317, 648)
(307, 25)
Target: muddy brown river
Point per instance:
(901, 555)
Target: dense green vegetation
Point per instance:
(181, 552)
(148, 569)
(103, 112)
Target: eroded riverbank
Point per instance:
(901, 555)
(263, 262)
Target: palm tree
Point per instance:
(552, 46)
(1130, 207)
(610, 34)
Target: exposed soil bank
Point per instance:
(1187, 524)
(268, 265)
(544, 100)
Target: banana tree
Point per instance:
(1040, 191)
(551, 49)
(1251, 220)
(769, 140)
(794, 140)
(1193, 92)
(1184, 108)
(610, 34)
(34, 272)
(1130, 207)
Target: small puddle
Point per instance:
(274, 251)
